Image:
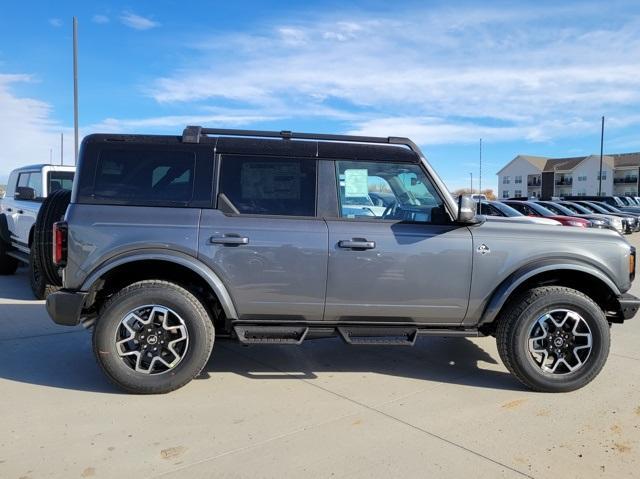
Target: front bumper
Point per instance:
(65, 307)
(628, 308)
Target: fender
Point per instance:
(181, 259)
(509, 285)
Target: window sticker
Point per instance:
(356, 183)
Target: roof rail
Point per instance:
(192, 134)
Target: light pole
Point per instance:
(471, 175)
(601, 150)
(480, 179)
(75, 86)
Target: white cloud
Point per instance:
(100, 19)
(137, 22)
(27, 132)
(444, 75)
(55, 22)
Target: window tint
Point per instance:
(269, 186)
(60, 180)
(145, 177)
(35, 182)
(385, 190)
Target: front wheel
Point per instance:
(553, 339)
(153, 337)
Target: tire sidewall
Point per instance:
(199, 329)
(596, 321)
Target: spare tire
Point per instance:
(51, 211)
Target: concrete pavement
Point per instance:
(445, 408)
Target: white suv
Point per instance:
(27, 188)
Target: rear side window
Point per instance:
(145, 177)
(60, 180)
(269, 185)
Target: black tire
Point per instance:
(40, 288)
(8, 264)
(153, 292)
(51, 211)
(515, 326)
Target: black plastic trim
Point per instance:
(65, 307)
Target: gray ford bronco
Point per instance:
(278, 237)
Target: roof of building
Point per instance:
(617, 160)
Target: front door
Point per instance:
(264, 239)
(394, 254)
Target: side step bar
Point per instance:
(356, 334)
(378, 336)
(19, 255)
(271, 334)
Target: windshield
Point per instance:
(610, 208)
(505, 209)
(576, 208)
(559, 209)
(541, 210)
(595, 208)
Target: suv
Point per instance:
(172, 241)
(27, 188)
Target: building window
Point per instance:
(505, 194)
(534, 194)
(582, 178)
(604, 175)
(518, 193)
(506, 180)
(518, 179)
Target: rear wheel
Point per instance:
(8, 264)
(153, 337)
(52, 210)
(553, 339)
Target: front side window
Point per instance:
(145, 177)
(31, 180)
(388, 191)
(269, 185)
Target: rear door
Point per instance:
(265, 240)
(409, 263)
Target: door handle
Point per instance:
(356, 243)
(229, 239)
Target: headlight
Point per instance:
(576, 223)
(616, 222)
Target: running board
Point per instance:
(19, 255)
(271, 334)
(378, 336)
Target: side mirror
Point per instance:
(24, 193)
(466, 209)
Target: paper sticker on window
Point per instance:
(356, 183)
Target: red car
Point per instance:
(529, 208)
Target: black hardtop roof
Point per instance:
(248, 142)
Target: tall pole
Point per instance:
(471, 175)
(480, 179)
(601, 150)
(61, 148)
(75, 87)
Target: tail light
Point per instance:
(632, 263)
(60, 233)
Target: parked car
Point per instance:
(19, 213)
(596, 220)
(613, 209)
(610, 200)
(626, 225)
(595, 207)
(171, 240)
(496, 209)
(530, 208)
(629, 201)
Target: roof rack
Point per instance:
(192, 134)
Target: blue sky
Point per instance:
(529, 78)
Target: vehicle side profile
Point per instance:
(534, 209)
(172, 241)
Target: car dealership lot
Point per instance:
(445, 408)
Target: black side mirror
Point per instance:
(24, 193)
(466, 209)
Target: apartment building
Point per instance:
(540, 177)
